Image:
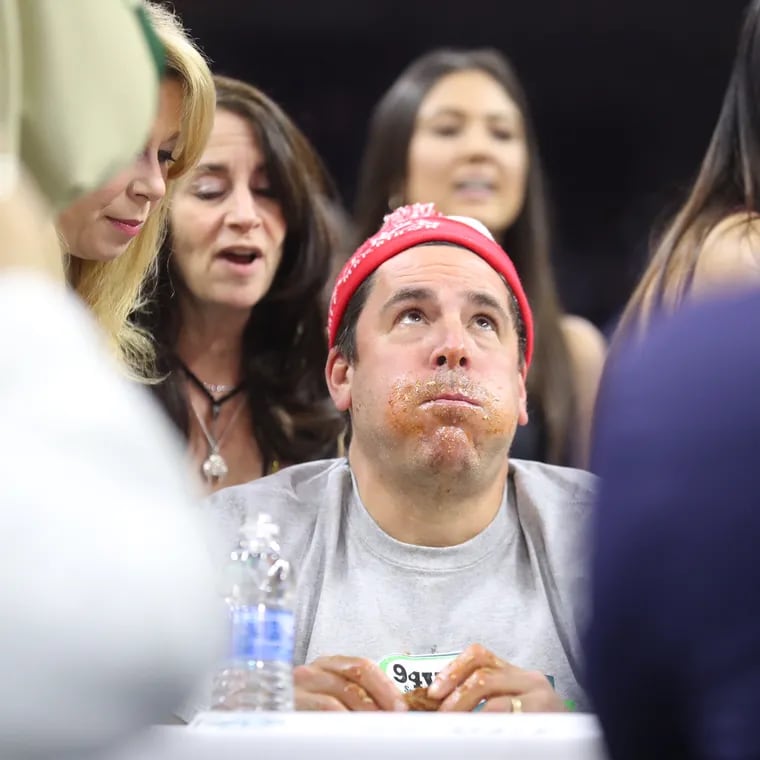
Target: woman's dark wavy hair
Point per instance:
(383, 174)
(284, 342)
(728, 183)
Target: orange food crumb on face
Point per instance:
(413, 410)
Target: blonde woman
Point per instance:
(112, 236)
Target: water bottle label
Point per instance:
(259, 633)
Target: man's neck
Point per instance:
(210, 342)
(430, 510)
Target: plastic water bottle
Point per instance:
(259, 590)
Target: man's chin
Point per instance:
(449, 449)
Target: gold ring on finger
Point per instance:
(517, 706)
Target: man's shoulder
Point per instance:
(550, 486)
(303, 484)
(296, 497)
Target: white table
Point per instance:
(373, 736)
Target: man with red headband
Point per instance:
(427, 558)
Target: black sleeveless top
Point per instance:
(530, 440)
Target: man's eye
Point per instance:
(485, 323)
(411, 316)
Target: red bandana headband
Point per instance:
(414, 225)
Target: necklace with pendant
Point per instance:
(210, 390)
(215, 389)
(215, 467)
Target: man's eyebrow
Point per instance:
(479, 298)
(408, 294)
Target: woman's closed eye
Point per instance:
(502, 133)
(208, 188)
(264, 191)
(446, 129)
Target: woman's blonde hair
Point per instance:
(112, 289)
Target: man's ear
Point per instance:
(522, 396)
(338, 374)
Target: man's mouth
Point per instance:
(458, 399)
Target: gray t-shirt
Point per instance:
(516, 588)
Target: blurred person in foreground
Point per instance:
(427, 551)
(713, 244)
(673, 661)
(108, 607)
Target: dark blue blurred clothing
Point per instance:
(673, 648)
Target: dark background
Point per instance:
(624, 94)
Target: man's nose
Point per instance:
(451, 349)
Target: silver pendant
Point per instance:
(214, 467)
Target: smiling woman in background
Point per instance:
(455, 129)
(112, 235)
(238, 314)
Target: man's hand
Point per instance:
(345, 683)
(478, 675)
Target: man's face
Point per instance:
(437, 384)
